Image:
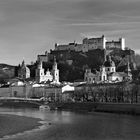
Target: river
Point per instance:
(65, 125)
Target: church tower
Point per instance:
(128, 67)
(24, 71)
(103, 74)
(128, 71)
(39, 73)
(55, 72)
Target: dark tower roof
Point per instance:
(109, 62)
(23, 63)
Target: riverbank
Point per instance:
(19, 104)
(13, 124)
(125, 108)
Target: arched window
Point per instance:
(113, 69)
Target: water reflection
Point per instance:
(81, 126)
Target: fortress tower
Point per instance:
(122, 40)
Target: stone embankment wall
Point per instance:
(98, 107)
(5, 92)
(118, 108)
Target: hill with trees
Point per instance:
(72, 64)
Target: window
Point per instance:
(15, 93)
(113, 69)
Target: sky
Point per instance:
(30, 27)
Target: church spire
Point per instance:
(128, 71)
(128, 67)
(54, 64)
(55, 72)
(23, 63)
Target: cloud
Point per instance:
(35, 25)
(102, 24)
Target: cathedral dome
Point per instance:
(109, 62)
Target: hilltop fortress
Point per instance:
(74, 58)
(88, 44)
(92, 44)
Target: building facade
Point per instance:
(92, 44)
(24, 71)
(120, 44)
(51, 76)
(107, 73)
